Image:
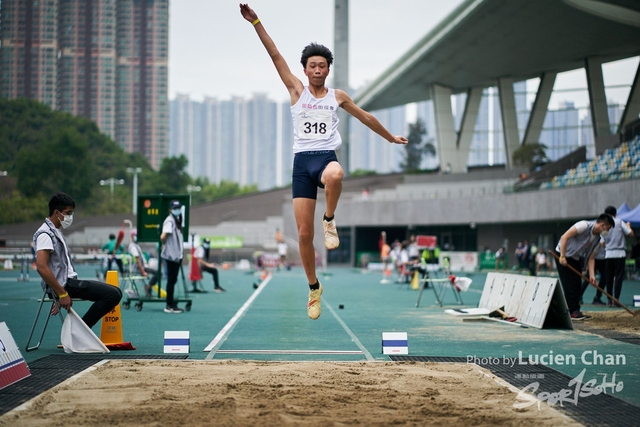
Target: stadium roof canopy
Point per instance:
(484, 40)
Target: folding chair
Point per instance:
(404, 275)
(47, 296)
(130, 286)
(439, 285)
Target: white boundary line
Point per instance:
(351, 334)
(226, 330)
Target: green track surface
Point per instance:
(276, 320)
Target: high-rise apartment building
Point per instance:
(29, 48)
(285, 147)
(232, 140)
(106, 60)
(259, 157)
(487, 145)
(560, 132)
(208, 130)
(232, 137)
(369, 151)
(87, 61)
(182, 131)
(586, 127)
(142, 105)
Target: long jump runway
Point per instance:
(273, 322)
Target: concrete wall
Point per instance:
(493, 208)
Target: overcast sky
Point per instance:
(214, 52)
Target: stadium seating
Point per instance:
(614, 164)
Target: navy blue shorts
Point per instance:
(308, 167)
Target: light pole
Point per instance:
(135, 172)
(111, 182)
(193, 188)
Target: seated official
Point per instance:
(201, 254)
(53, 263)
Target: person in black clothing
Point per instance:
(635, 255)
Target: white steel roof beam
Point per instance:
(539, 109)
(509, 118)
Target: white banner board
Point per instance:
(533, 301)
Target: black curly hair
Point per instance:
(314, 49)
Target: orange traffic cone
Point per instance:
(111, 328)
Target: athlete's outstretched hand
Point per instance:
(247, 12)
(398, 139)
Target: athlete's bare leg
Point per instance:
(304, 210)
(332, 181)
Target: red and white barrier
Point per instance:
(13, 367)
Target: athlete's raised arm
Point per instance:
(293, 84)
(346, 103)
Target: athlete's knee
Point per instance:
(333, 173)
(305, 235)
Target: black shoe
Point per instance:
(597, 301)
(174, 310)
(578, 315)
(218, 289)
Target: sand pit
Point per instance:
(243, 393)
(618, 320)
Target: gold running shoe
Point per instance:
(331, 240)
(313, 306)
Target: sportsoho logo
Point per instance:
(577, 387)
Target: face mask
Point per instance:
(604, 233)
(67, 221)
(176, 212)
(135, 238)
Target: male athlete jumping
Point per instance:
(314, 110)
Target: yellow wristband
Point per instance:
(66, 294)
(256, 22)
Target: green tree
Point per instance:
(210, 192)
(172, 178)
(60, 164)
(46, 150)
(530, 155)
(16, 208)
(416, 148)
(49, 151)
(363, 172)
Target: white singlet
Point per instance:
(315, 122)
